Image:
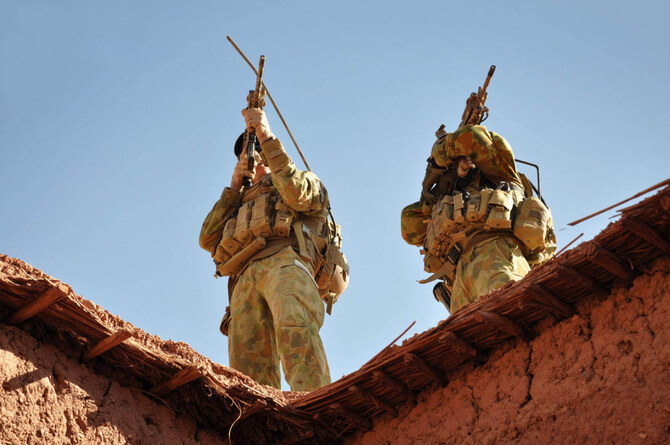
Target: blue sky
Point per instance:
(117, 121)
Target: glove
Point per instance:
(240, 172)
(257, 121)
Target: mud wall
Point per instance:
(47, 397)
(602, 376)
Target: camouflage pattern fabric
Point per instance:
(489, 151)
(300, 190)
(212, 227)
(484, 267)
(276, 310)
(276, 314)
(412, 227)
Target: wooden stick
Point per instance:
(108, 343)
(186, 375)
(569, 244)
(42, 302)
(659, 185)
(274, 105)
(389, 345)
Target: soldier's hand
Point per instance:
(428, 198)
(240, 172)
(256, 120)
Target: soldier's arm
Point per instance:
(300, 190)
(212, 227)
(489, 151)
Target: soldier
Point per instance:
(270, 238)
(477, 221)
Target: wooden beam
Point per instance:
(326, 423)
(257, 406)
(415, 361)
(647, 233)
(665, 203)
(107, 343)
(575, 276)
(608, 261)
(42, 302)
(299, 436)
(457, 344)
(181, 378)
(384, 379)
(543, 297)
(502, 324)
(352, 417)
(377, 402)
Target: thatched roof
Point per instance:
(219, 397)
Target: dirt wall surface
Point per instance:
(601, 376)
(49, 398)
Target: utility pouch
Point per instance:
(261, 217)
(282, 221)
(225, 322)
(221, 255)
(472, 208)
(530, 224)
(227, 242)
(500, 210)
(332, 277)
(484, 198)
(431, 241)
(242, 231)
(446, 215)
(459, 204)
(431, 263)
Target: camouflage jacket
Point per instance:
(489, 151)
(495, 162)
(301, 191)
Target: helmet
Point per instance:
(339, 281)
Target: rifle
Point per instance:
(255, 99)
(475, 112)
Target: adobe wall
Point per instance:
(602, 376)
(48, 398)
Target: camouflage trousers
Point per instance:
(484, 267)
(276, 314)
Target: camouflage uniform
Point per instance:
(276, 311)
(489, 259)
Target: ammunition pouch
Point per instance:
(458, 222)
(264, 225)
(531, 224)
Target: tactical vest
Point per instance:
(264, 225)
(470, 211)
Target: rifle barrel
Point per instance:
(488, 78)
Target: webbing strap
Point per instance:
(447, 269)
(302, 246)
